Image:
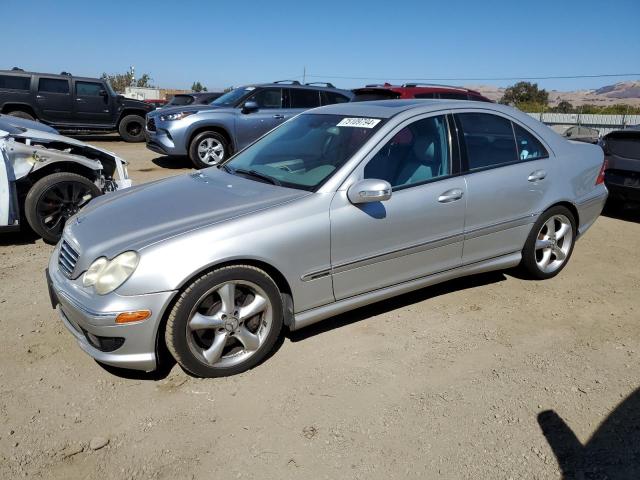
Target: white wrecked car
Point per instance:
(45, 178)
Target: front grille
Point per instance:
(151, 124)
(67, 258)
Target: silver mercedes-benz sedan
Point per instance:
(339, 207)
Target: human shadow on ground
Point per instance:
(612, 452)
(394, 303)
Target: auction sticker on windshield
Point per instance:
(359, 122)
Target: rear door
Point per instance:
(269, 115)
(508, 173)
(299, 100)
(53, 96)
(91, 103)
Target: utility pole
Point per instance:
(304, 74)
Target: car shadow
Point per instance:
(628, 212)
(612, 452)
(114, 137)
(24, 236)
(173, 163)
(394, 303)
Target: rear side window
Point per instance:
(425, 95)
(329, 98)
(12, 82)
(375, 95)
(488, 140)
(53, 85)
(529, 148)
(302, 98)
(181, 100)
(88, 89)
(454, 96)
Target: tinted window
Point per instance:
(529, 148)
(301, 98)
(454, 96)
(417, 153)
(88, 89)
(425, 95)
(53, 85)
(379, 95)
(181, 100)
(15, 83)
(329, 98)
(488, 139)
(267, 98)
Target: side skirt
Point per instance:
(309, 317)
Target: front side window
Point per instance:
(488, 140)
(53, 85)
(416, 154)
(14, 82)
(529, 148)
(89, 89)
(302, 98)
(267, 98)
(305, 151)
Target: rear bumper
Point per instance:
(590, 208)
(623, 184)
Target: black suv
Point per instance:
(71, 104)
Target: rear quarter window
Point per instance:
(14, 82)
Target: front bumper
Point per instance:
(163, 141)
(91, 320)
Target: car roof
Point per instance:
(299, 85)
(417, 87)
(43, 74)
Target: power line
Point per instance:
(467, 79)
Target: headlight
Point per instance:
(175, 116)
(107, 275)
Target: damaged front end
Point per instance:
(29, 155)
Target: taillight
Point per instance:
(600, 179)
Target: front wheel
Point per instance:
(550, 243)
(131, 128)
(207, 149)
(225, 322)
(53, 199)
(21, 114)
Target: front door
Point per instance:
(54, 100)
(252, 125)
(91, 103)
(508, 173)
(415, 233)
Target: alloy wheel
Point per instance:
(210, 151)
(229, 323)
(59, 202)
(553, 243)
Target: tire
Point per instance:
(550, 244)
(53, 199)
(216, 146)
(131, 128)
(21, 114)
(210, 335)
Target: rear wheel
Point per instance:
(550, 243)
(131, 128)
(21, 114)
(55, 198)
(226, 322)
(207, 149)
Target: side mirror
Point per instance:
(249, 106)
(103, 93)
(369, 190)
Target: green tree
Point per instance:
(525, 93)
(144, 81)
(120, 81)
(564, 107)
(198, 87)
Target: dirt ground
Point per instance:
(489, 377)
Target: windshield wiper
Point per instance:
(262, 176)
(225, 168)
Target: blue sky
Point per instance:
(222, 43)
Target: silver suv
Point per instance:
(208, 134)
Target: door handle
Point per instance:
(39, 96)
(80, 100)
(278, 116)
(450, 195)
(537, 175)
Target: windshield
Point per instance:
(305, 151)
(230, 99)
(181, 100)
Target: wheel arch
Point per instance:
(569, 206)
(131, 111)
(59, 167)
(22, 107)
(211, 128)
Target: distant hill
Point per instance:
(623, 92)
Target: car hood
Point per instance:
(185, 108)
(146, 214)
